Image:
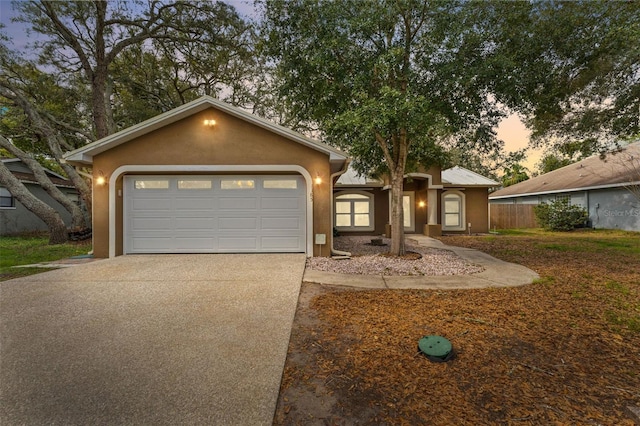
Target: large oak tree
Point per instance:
(394, 82)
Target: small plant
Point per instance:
(560, 215)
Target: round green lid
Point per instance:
(435, 346)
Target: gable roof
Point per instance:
(85, 154)
(459, 176)
(591, 173)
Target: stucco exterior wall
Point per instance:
(614, 209)
(16, 220)
(231, 142)
(476, 211)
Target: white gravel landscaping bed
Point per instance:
(368, 259)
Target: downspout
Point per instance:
(335, 252)
(90, 177)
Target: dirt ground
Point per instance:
(564, 350)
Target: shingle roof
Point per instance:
(460, 176)
(616, 169)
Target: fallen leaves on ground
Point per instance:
(564, 350)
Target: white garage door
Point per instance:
(214, 214)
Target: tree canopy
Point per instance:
(398, 83)
(101, 66)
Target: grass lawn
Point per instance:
(563, 350)
(16, 251)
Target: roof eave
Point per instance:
(558, 191)
(84, 155)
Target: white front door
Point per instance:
(214, 214)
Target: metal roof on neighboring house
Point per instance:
(459, 176)
(617, 169)
(352, 178)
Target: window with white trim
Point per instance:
(6, 199)
(453, 207)
(354, 211)
(408, 211)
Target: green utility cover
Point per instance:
(435, 346)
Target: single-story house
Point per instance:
(210, 177)
(14, 217)
(609, 188)
(435, 201)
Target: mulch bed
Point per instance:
(564, 350)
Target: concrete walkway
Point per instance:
(497, 273)
(142, 340)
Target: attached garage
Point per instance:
(214, 214)
(208, 177)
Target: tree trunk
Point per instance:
(53, 138)
(77, 217)
(57, 228)
(397, 214)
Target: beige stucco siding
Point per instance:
(476, 211)
(231, 142)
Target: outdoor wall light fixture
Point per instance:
(209, 122)
(101, 179)
(421, 204)
(318, 180)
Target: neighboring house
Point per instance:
(210, 177)
(607, 188)
(14, 217)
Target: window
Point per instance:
(565, 197)
(6, 199)
(75, 198)
(354, 211)
(453, 211)
(408, 211)
(151, 184)
(237, 184)
(194, 184)
(280, 184)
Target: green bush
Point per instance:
(560, 215)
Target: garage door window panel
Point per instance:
(237, 184)
(194, 184)
(280, 184)
(151, 184)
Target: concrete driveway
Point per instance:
(163, 339)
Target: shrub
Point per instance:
(560, 215)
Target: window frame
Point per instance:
(11, 198)
(461, 213)
(411, 214)
(370, 198)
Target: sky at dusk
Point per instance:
(511, 130)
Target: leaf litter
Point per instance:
(563, 350)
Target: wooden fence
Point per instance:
(509, 216)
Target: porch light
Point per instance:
(421, 204)
(210, 122)
(101, 179)
(318, 180)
